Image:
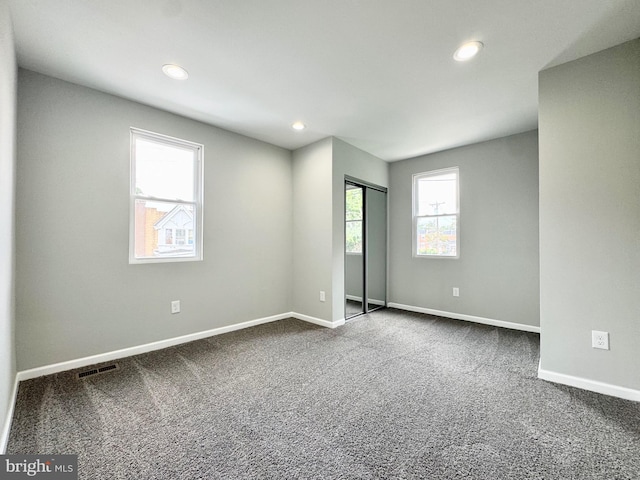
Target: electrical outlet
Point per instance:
(175, 306)
(322, 296)
(600, 339)
(456, 292)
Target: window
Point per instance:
(353, 216)
(180, 236)
(436, 214)
(166, 199)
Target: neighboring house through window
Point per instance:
(436, 214)
(166, 198)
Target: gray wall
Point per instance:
(76, 294)
(318, 217)
(590, 215)
(312, 229)
(7, 225)
(348, 160)
(498, 268)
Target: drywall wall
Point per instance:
(7, 225)
(312, 229)
(498, 269)
(356, 163)
(590, 215)
(76, 294)
(318, 217)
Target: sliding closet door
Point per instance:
(354, 250)
(365, 248)
(376, 248)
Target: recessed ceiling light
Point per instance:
(298, 126)
(175, 71)
(467, 51)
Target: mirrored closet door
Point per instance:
(365, 247)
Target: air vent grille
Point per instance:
(98, 371)
(113, 366)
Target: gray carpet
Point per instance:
(389, 395)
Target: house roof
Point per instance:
(167, 217)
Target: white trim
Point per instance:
(159, 345)
(130, 351)
(6, 427)
(468, 318)
(372, 301)
(591, 385)
(148, 347)
(415, 178)
(318, 321)
(198, 195)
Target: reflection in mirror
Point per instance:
(376, 235)
(354, 273)
(365, 248)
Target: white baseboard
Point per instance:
(148, 347)
(468, 318)
(6, 426)
(318, 321)
(170, 342)
(591, 385)
(372, 301)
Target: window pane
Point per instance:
(437, 236)
(354, 236)
(437, 195)
(164, 171)
(160, 229)
(353, 202)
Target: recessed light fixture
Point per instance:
(175, 71)
(298, 126)
(467, 51)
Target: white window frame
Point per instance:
(415, 179)
(198, 193)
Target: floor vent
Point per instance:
(97, 371)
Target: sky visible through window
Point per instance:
(436, 214)
(164, 171)
(166, 213)
(437, 195)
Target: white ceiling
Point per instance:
(377, 73)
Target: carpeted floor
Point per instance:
(389, 395)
